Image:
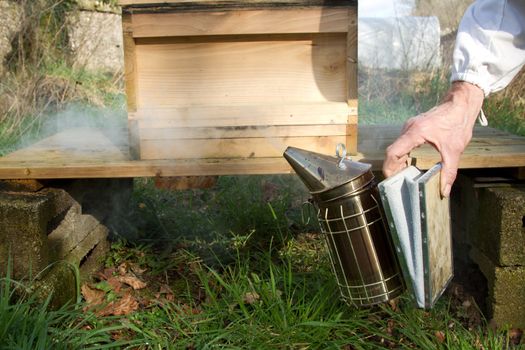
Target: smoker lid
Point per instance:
(321, 172)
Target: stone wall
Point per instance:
(10, 25)
(95, 40)
(94, 33)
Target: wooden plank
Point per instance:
(233, 3)
(84, 153)
(230, 132)
(130, 63)
(235, 148)
(85, 144)
(305, 20)
(256, 115)
(304, 69)
(142, 168)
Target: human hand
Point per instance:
(447, 127)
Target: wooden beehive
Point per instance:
(240, 79)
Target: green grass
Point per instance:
(266, 285)
(28, 323)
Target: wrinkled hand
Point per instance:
(447, 127)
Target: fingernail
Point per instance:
(446, 191)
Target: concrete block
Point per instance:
(84, 247)
(73, 229)
(24, 218)
(500, 233)
(506, 291)
(58, 282)
(94, 261)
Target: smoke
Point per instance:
(81, 122)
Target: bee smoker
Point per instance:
(352, 220)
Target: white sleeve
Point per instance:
(490, 45)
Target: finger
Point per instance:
(449, 172)
(398, 152)
(393, 167)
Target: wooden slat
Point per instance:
(88, 153)
(235, 148)
(230, 132)
(246, 73)
(307, 20)
(152, 4)
(257, 115)
(130, 63)
(84, 144)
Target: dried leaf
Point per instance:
(394, 304)
(106, 273)
(165, 289)
(132, 281)
(440, 336)
(92, 296)
(115, 284)
(251, 297)
(123, 269)
(515, 335)
(137, 269)
(124, 306)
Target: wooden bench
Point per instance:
(89, 153)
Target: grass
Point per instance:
(393, 97)
(267, 285)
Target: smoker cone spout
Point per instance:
(321, 173)
(352, 221)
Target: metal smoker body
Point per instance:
(351, 217)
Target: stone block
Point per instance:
(506, 291)
(94, 261)
(24, 218)
(59, 282)
(500, 232)
(84, 247)
(73, 229)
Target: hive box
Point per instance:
(240, 79)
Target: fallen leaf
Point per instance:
(132, 281)
(165, 289)
(440, 336)
(124, 306)
(251, 297)
(106, 273)
(394, 304)
(92, 296)
(122, 269)
(515, 335)
(115, 283)
(137, 269)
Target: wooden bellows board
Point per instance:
(240, 79)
